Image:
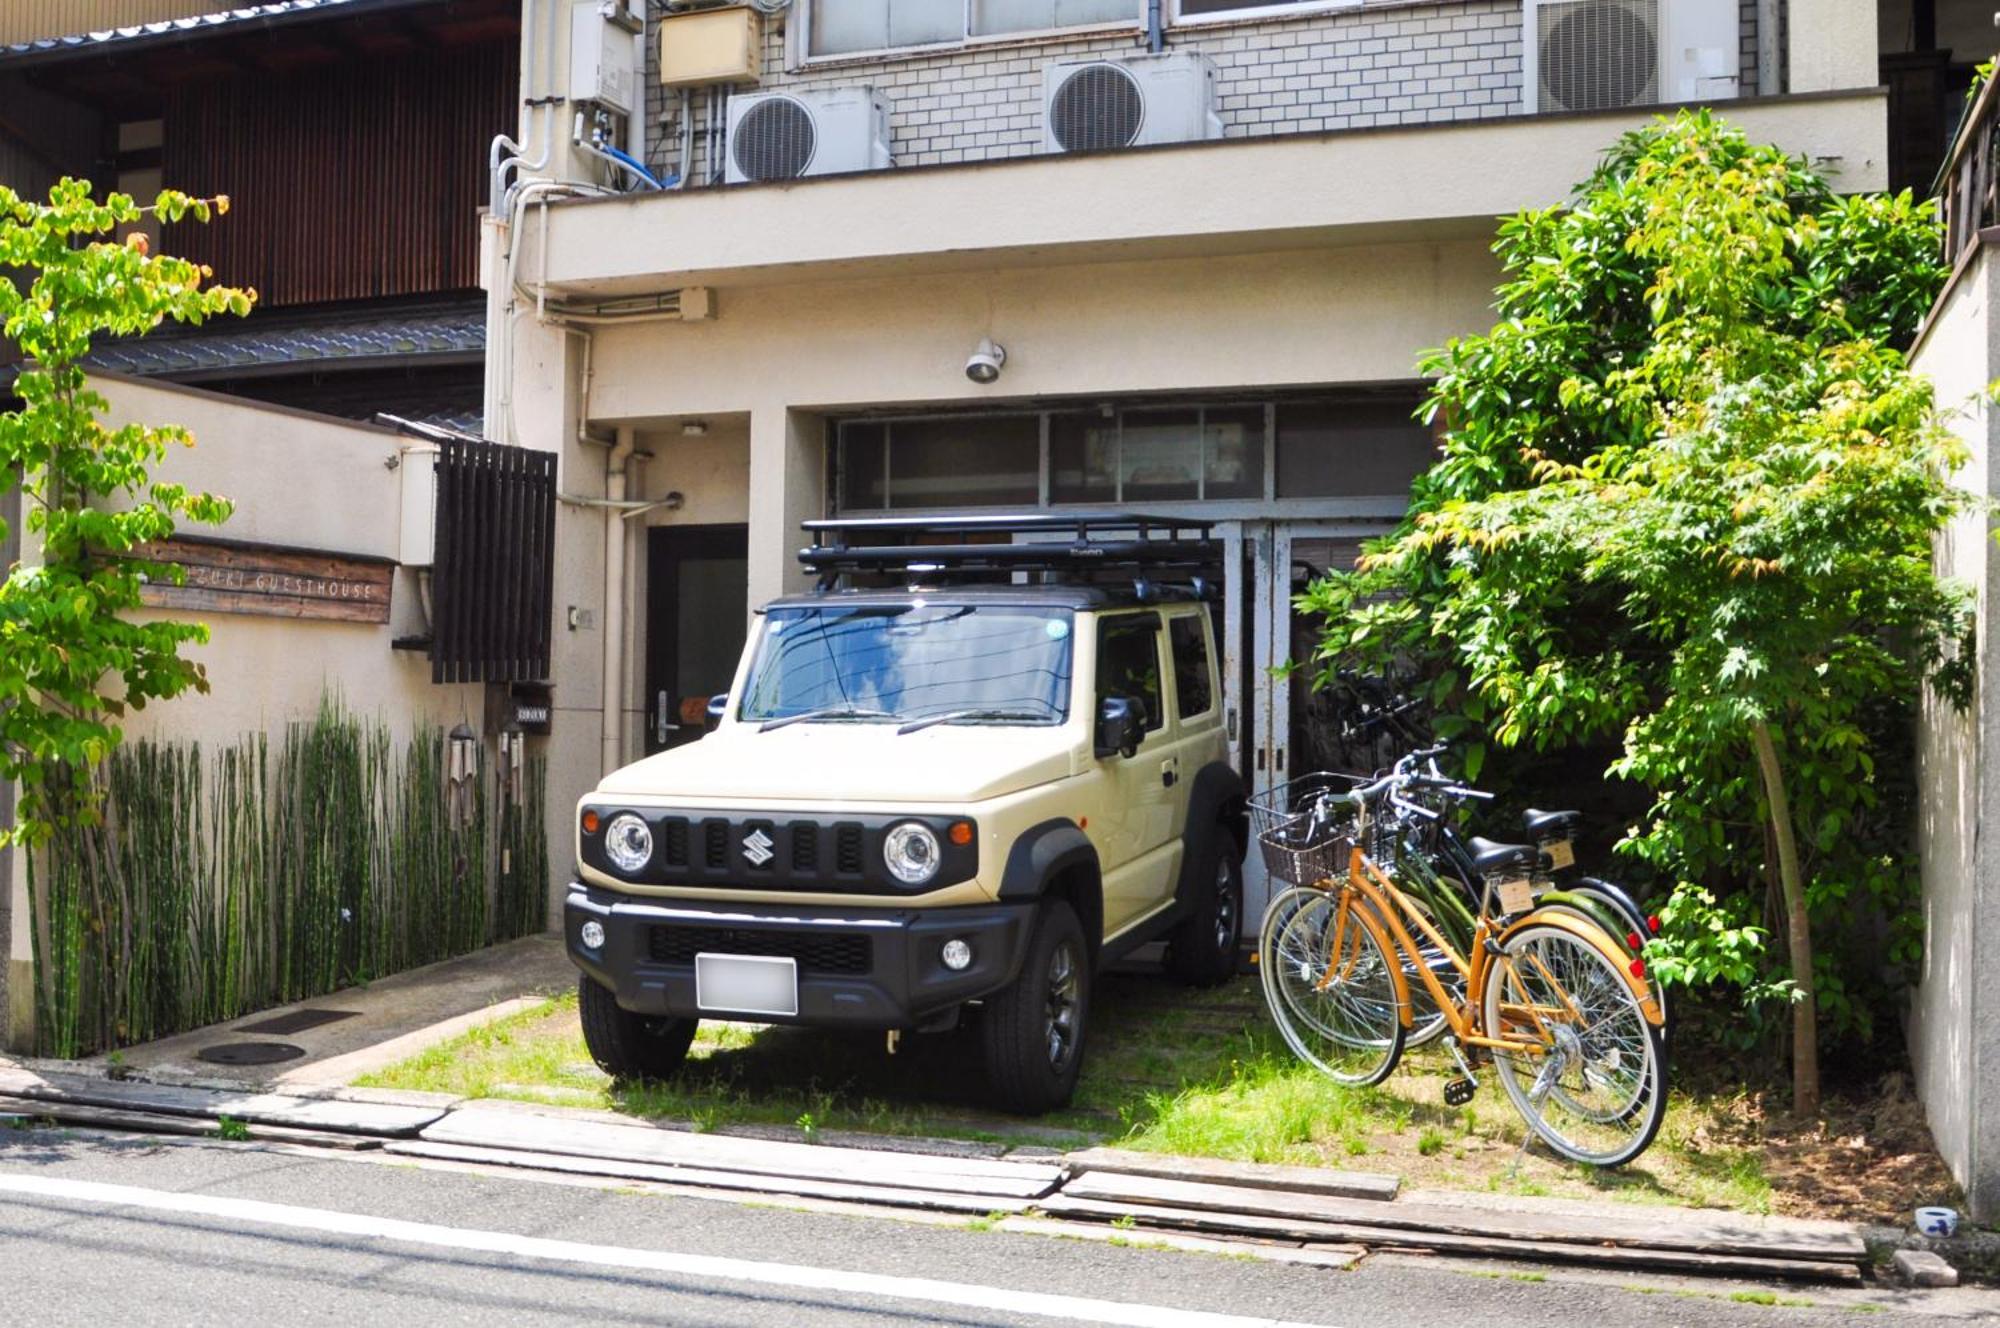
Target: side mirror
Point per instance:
(1121, 725)
(718, 706)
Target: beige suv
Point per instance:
(924, 799)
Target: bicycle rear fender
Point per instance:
(1614, 954)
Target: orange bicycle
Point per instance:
(1547, 997)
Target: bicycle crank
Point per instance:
(1459, 1091)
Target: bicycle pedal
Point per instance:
(1459, 1092)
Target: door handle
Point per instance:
(663, 723)
(1167, 776)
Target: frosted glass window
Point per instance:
(841, 27)
(994, 17)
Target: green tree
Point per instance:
(1686, 503)
(72, 660)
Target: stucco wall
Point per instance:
(301, 481)
(1953, 1031)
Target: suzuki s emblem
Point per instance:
(757, 848)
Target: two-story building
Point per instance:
(1211, 238)
(765, 261)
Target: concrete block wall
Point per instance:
(1384, 62)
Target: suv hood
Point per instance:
(810, 764)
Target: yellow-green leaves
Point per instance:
(71, 661)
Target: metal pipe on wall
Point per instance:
(613, 754)
(1767, 49)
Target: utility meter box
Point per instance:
(711, 46)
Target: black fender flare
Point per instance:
(1045, 851)
(1215, 802)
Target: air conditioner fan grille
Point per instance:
(775, 140)
(1599, 55)
(1096, 107)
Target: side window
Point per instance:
(1194, 691)
(1128, 662)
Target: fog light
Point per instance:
(591, 934)
(957, 955)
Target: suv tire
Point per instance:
(1034, 1030)
(627, 1045)
(1201, 951)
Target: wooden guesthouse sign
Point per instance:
(281, 583)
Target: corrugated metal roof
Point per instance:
(25, 20)
(454, 333)
(201, 24)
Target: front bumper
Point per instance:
(858, 967)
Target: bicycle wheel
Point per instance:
(1328, 984)
(1596, 1092)
(1601, 913)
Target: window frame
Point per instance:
(1257, 13)
(1207, 666)
(800, 55)
(1162, 657)
(1265, 504)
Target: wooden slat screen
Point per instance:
(493, 578)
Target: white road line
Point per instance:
(963, 1295)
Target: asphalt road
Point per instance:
(109, 1229)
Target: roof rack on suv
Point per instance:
(1155, 553)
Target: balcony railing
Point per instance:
(1967, 184)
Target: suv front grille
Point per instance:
(847, 848)
(717, 846)
(805, 847)
(833, 952)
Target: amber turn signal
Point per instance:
(590, 823)
(961, 833)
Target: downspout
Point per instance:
(1156, 26)
(614, 601)
(1767, 48)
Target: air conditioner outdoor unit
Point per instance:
(1601, 55)
(811, 131)
(1090, 105)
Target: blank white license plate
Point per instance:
(746, 984)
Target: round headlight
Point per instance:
(628, 842)
(910, 851)
(591, 934)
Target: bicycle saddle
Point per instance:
(1491, 858)
(1550, 825)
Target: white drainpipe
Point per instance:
(614, 601)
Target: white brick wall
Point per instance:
(1386, 62)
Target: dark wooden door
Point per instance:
(697, 583)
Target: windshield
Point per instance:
(953, 663)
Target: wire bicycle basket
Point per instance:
(1306, 826)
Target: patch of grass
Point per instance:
(1169, 1071)
(1529, 1277)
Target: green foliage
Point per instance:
(71, 663)
(1689, 489)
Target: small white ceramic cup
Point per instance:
(1939, 1222)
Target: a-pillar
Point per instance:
(787, 486)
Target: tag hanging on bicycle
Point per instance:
(1562, 854)
(1517, 894)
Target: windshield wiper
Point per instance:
(983, 713)
(825, 712)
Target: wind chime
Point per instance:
(462, 777)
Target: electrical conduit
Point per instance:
(614, 601)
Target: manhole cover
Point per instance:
(250, 1053)
(298, 1021)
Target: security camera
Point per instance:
(985, 364)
